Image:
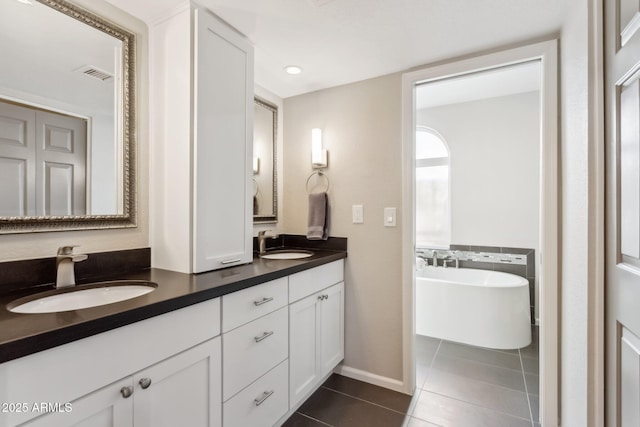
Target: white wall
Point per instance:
(361, 125)
(39, 245)
(494, 168)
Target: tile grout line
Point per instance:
(433, 360)
(487, 364)
(505, 388)
(526, 389)
(426, 377)
(364, 400)
(314, 419)
(516, 371)
(476, 405)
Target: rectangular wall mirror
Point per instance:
(265, 197)
(67, 119)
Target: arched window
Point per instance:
(433, 224)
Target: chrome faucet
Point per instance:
(435, 258)
(262, 236)
(65, 262)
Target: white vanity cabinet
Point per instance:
(102, 408)
(176, 356)
(255, 350)
(247, 358)
(202, 132)
(182, 390)
(316, 319)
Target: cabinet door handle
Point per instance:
(126, 391)
(229, 261)
(263, 336)
(145, 383)
(262, 301)
(260, 400)
(326, 297)
(320, 297)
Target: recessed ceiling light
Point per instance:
(293, 69)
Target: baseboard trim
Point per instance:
(368, 377)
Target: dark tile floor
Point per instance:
(342, 401)
(457, 385)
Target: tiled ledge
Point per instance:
(492, 257)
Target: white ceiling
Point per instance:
(343, 41)
(42, 52)
(492, 83)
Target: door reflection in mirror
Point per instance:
(42, 162)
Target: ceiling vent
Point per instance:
(95, 72)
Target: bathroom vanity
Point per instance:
(234, 347)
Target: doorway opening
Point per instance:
(494, 210)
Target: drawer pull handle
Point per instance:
(229, 261)
(145, 383)
(264, 336)
(126, 392)
(262, 301)
(323, 297)
(260, 400)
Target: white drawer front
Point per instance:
(260, 404)
(251, 350)
(310, 281)
(244, 306)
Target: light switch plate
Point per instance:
(357, 214)
(389, 217)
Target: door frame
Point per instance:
(547, 53)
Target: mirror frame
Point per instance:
(264, 219)
(128, 218)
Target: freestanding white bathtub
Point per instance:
(477, 307)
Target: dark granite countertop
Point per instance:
(24, 334)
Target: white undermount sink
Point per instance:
(287, 254)
(79, 297)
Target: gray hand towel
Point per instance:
(318, 216)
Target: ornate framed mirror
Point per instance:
(67, 119)
(265, 187)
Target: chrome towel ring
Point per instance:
(326, 184)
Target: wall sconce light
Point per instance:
(256, 164)
(318, 154)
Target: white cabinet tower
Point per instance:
(201, 143)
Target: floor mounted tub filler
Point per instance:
(478, 307)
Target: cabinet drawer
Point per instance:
(313, 280)
(263, 403)
(244, 306)
(253, 349)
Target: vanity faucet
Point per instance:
(65, 261)
(262, 236)
(435, 258)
